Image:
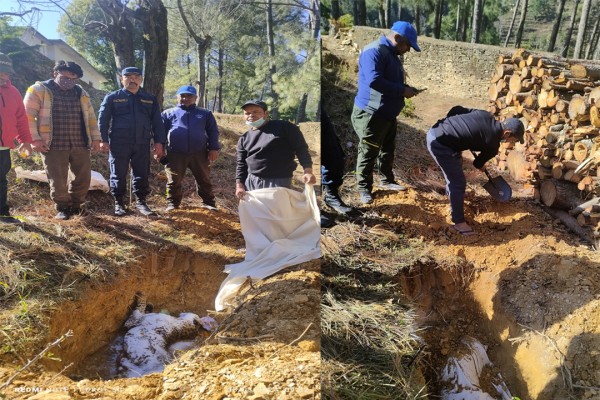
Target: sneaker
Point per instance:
(143, 208)
(337, 204)
(392, 186)
(365, 197)
(120, 209)
(62, 215)
(171, 207)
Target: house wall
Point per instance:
(59, 50)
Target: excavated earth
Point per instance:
(266, 347)
(524, 286)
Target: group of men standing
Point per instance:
(56, 119)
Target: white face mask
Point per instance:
(257, 123)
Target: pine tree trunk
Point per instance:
(582, 28)
(521, 23)
(567, 43)
(556, 26)
(512, 23)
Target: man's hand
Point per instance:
(40, 146)
(159, 151)
(409, 92)
(104, 147)
(95, 146)
(240, 190)
(212, 155)
(308, 177)
(25, 150)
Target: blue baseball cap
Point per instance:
(131, 70)
(408, 31)
(187, 90)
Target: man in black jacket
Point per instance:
(467, 129)
(266, 152)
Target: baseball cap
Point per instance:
(6, 65)
(408, 31)
(188, 89)
(516, 128)
(259, 103)
(131, 70)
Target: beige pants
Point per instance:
(69, 174)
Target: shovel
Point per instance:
(497, 187)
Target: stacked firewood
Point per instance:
(558, 101)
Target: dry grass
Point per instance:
(369, 342)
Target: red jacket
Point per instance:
(13, 119)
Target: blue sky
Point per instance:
(46, 22)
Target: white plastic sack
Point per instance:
(97, 183)
(462, 375)
(281, 228)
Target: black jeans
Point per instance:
(5, 166)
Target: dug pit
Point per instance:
(172, 282)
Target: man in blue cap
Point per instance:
(380, 98)
(129, 120)
(192, 142)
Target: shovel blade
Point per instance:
(498, 188)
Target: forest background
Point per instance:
(568, 28)
(231, 50)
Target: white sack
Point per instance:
(97, 183)
(462, 375)
(281, 228)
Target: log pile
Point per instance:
(558, 101)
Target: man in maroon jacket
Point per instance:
(13, 125)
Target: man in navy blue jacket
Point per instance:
(467, 129)
(192, 142)
(129, 119)
(380, 98)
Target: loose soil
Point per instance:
(267, 347)
(524, 286)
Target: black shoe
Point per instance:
(392, 186)
(143, 208)
(76, 211)
(326, 221)
(210, 203)
(63, 215)
(365, 197)
(7, 219)
(120, 209)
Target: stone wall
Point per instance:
(445, 67)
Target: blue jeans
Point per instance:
(450, 161)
